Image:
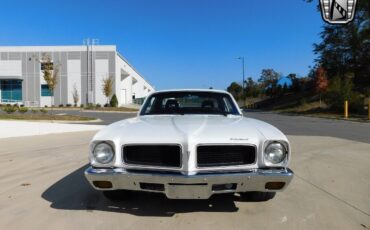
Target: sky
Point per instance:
(176, 43)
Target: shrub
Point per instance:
(34, 110)
(106, 105)
(98, 105)
(90, 106)
(9, 109)
(69, 105)
(113, 101)
(61, 105)
(82, 105)
(45, 106)
(302, 101)
(340, 90)
(23, 109)
(43, 111)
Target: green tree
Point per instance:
(235, 89)
(252, 88)
(345, 48)
(268, 80)
(113, 102)
(340, 90)
(296, 82)
(107, 87)
(50, 74)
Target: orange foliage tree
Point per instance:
(321, 81)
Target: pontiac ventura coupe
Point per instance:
(190, 144)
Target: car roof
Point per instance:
(192, 90)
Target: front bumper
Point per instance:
(200, 186)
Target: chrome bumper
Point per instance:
(200, 186)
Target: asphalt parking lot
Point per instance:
(43, 186)
(290, 125)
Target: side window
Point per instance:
(47, 65)
(45, 92)
(228, 106)
(149, 106)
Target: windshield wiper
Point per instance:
(222, 113)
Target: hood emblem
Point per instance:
(238, 139)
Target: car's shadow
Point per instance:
(73, 192)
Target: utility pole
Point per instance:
(94, 41)
(242, 59)
(87, 43)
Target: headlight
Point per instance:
(103, 153)
(275, 153)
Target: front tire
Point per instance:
(257, 196)
(116, 194)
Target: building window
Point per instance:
(45, 91)
(48, 65)
(11, 91)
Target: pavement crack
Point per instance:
(332, 195)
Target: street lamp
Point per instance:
(242, 59)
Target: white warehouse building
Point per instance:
(80, 67)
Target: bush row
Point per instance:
(11, 109)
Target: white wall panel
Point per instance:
(73, 79)
(11, 68)
(101, 72)
(45, 101)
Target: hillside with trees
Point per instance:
(341, 72)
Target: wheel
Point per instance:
(257, 196)
(116, 194)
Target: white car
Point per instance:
(190, 144)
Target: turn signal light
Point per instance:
(103, 184)
(274, 185)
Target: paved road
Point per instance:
(105, 117)
(290, 125)
(42, 186)
(310, 126)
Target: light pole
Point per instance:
(87, 43)
(242, 58)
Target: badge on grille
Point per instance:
(338, 11)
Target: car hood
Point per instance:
(189, 128)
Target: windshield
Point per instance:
(190, 103)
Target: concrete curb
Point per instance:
(89, 110)
(100, 111)
(56, 121)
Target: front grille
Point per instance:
(225, 155)
(152, 155)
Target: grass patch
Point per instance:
(47, 117)
(314, 109)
